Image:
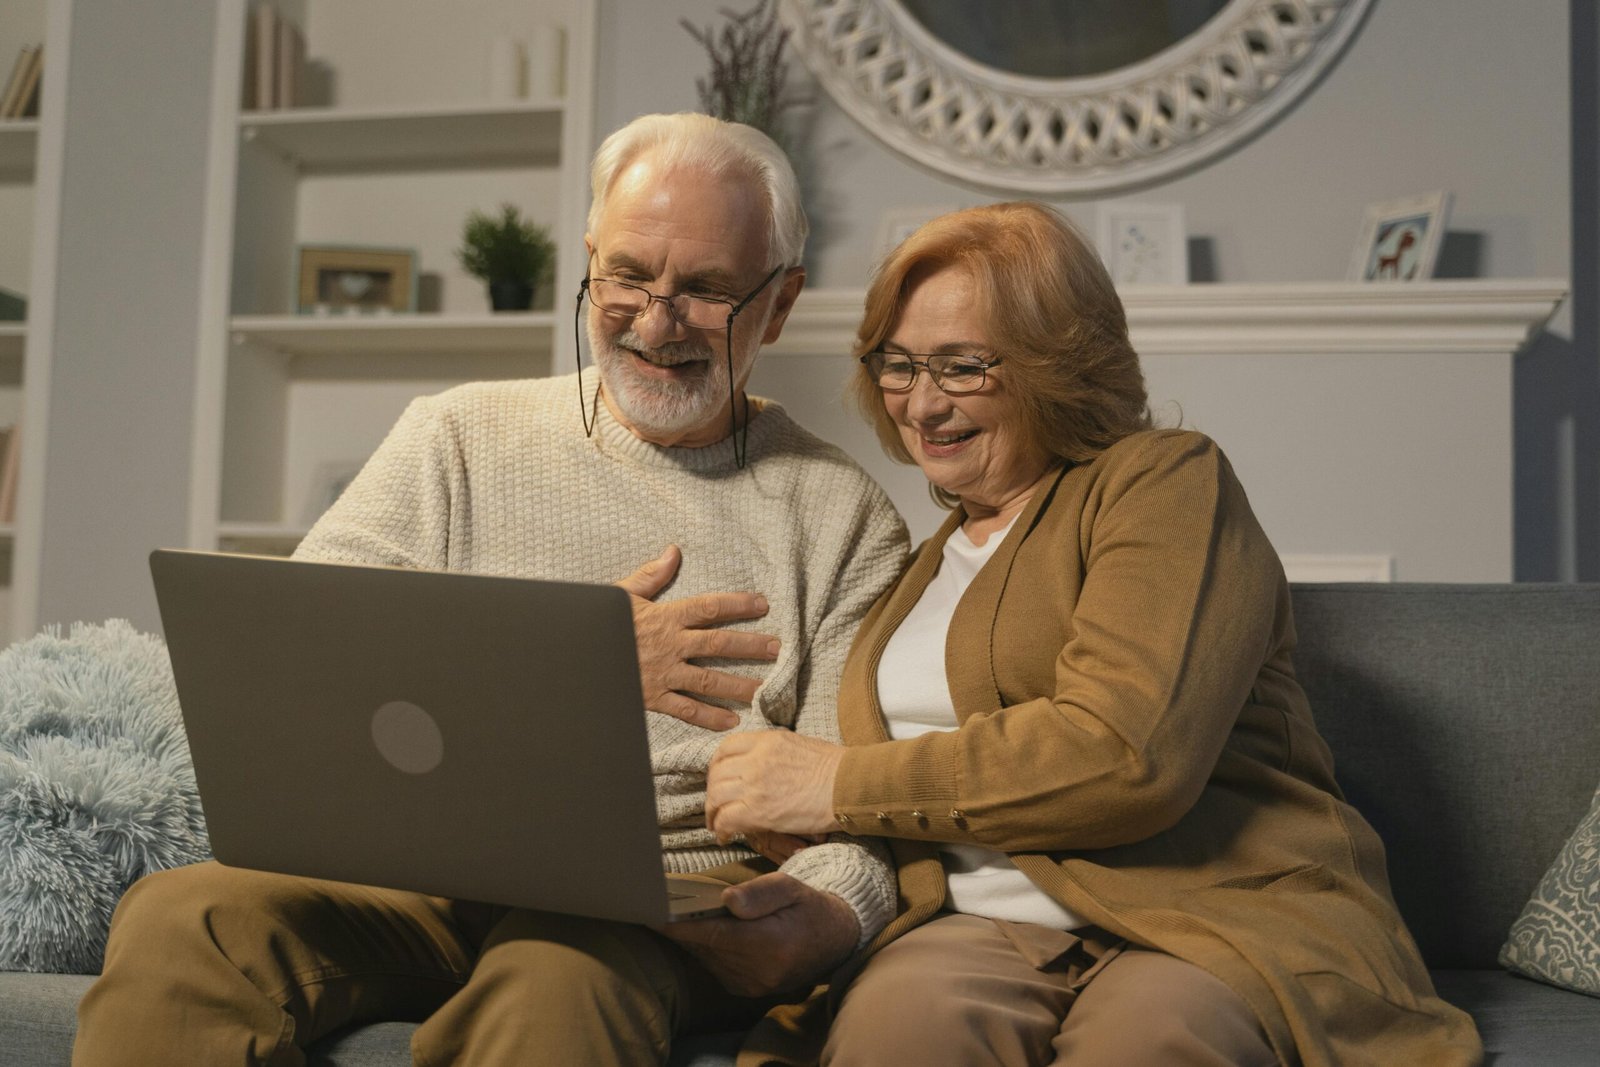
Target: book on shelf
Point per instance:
(20, 84)
(9, 447)
(274, 54)
(290, 55)
(14, 79)
(13, 306)
(28, 100)
(247, 86)
(265, 19)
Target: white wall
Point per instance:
(1472, 96)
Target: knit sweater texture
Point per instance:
(500, 478)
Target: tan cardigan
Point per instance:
(1132, 734)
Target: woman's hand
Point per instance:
(772, 780)
(672, 634)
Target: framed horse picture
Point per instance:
(1400, 239)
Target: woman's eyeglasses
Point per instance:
(896, 372)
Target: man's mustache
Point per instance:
(672, 352)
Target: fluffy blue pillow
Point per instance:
(96, 789)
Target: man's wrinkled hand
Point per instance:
(673, 634)
(783, 935)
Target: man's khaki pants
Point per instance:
(966, 990)
(217, 965)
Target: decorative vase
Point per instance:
(509, 294)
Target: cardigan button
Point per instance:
(883, 816)
(917, 815)
(841, 817)
(957, 814)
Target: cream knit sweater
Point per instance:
(499, 478)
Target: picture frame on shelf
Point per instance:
(353, 280)
(1400, 239)
(896, 224)
(1143, 244)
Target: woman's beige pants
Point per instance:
(964, 990)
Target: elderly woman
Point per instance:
(1076, 718)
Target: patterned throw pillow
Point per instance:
(1556, 939)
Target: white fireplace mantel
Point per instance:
(1482, 316)
(1371, 424)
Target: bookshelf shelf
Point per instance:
(260, 533)
(326, 140)
(301, 335)
(19, 144)
(259, 538)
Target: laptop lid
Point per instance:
(466, 736)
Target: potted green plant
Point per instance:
(510, 253)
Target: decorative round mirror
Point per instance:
(1067, 96)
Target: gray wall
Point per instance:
(1471, 96)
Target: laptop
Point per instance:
(464, 736)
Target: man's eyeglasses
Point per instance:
(896, 372)
(698, 311)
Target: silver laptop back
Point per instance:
(465, 736)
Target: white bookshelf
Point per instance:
(22, 203)
(406, 143)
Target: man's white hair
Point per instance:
(698, 141)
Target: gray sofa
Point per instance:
(1465, 720)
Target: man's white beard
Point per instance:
(656, 407)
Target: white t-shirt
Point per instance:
(915, 696)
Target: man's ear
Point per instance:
(794, 279)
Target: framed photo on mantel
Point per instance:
(1400, 239)
(1143, 244)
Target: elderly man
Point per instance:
(695, 239)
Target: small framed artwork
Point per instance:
(899, 223)
(1143, 244)
(1400, 239)
(346, 280)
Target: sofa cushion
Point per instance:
(1557, 937)
(1525, 1023)
(39, 1015)
(1463, 726)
